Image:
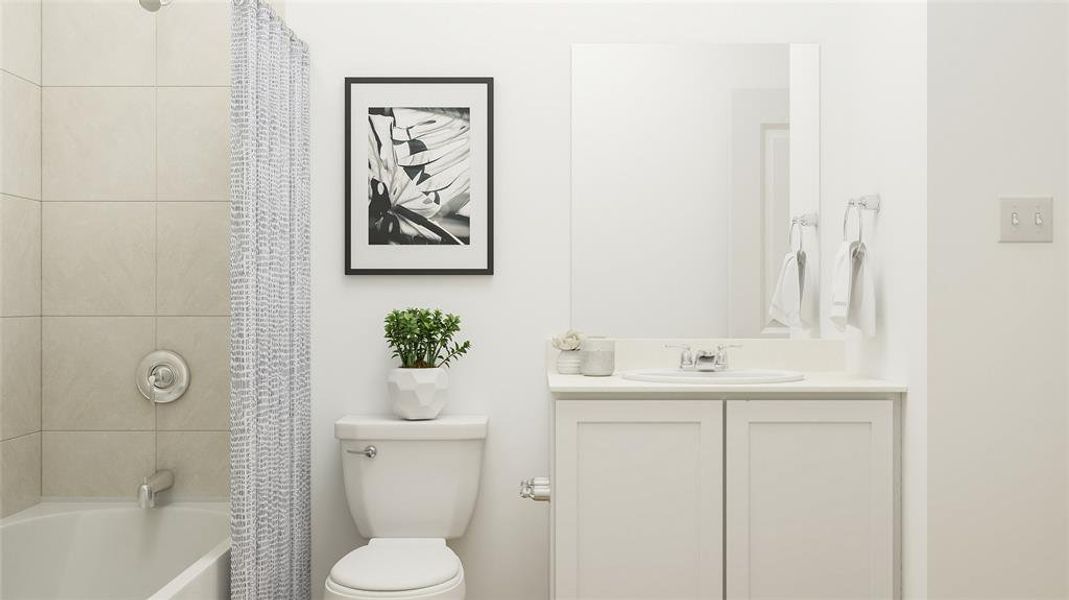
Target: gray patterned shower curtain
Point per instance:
(270, 513)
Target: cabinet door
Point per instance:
(638, 499)
(810, 499)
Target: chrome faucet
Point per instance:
(152, 485)
(716, 360)
(704, 360)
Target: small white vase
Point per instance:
(417, 394)
(568, 362)
(598, 357)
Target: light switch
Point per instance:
(1026, 219)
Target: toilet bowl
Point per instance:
(423, 568)
(410, 485)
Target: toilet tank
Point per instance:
(422, 480)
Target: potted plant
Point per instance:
(422, 339)
(568, 343)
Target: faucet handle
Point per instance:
(686, 357)
(721, 355)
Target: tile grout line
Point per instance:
(41, 251)
(131, 85)
(19, 437)
(40, 85)
(156, 220)
(156, 326)
(18, 197)
(84, 201)
(119, 431)
(118, 316)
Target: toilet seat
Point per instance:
(397, 568)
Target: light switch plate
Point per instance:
(1026, 219)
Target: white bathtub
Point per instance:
(116, 551)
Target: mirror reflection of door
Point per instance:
(776, 205)
(760, 205)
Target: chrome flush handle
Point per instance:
(369, 451)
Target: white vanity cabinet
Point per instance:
(810, 502)
(694, 498)
(638, 499)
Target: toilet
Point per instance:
(411, 485)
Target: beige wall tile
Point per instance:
(200, 461)
(193, 266)
(96, 463)
(202, 341)
(98, 258)
(20, 473)
(88, 373)
(194, 143)
(99, 143)
(20, 256)
(193, 43)
(20, 376)
(98, 42)
(20, 38)
(20, 137)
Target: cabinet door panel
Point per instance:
(810, 499)
(638, 499)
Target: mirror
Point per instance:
(688, 164)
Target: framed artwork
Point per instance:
(419, 159)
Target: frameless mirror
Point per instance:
(688, 164)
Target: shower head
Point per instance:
(153, 5)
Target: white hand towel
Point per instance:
(786, 303)
(809, 312)
(862, 312)
(841, 285)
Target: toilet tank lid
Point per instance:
(449, 427)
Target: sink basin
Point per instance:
(729, 377)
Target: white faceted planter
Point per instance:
(568, 362)
(417, 394)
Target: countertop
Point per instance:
(815, 383)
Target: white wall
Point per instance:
(873, 93)
(997, 312)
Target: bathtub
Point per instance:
(116, 550)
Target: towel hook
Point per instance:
(869, 202)
(790, 236)
(801, 221)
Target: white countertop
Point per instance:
(824, 382)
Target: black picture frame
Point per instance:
(350, 269)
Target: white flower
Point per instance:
(570, 340)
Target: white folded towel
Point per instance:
(841, 284)
(862, 313)
(809, 314)
(785, 306)
(853, 297)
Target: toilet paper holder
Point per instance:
(535, 488)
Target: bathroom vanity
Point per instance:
(777, 476)
(780, 490)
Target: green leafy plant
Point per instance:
(423, 338)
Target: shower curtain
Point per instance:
(270, 514)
